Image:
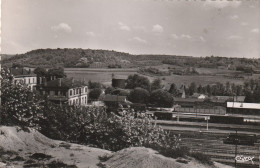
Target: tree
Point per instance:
(95, 93)
(120, 92)
(173, 90)
(58, 72)
(135, 80)
(109, 90)
(161, 98)
(40, 72)
(156, 84)
(139, 95)
(193, 88)
(93, 85)
(20, 106)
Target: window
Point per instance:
(85, 100)
(70, 92)
(86, 89)
(29, 80)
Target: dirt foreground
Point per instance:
(30, 148)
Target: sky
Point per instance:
(174, 27)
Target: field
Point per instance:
(206, 76)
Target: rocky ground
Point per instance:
(27, 149)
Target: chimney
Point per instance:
(59, 82)
(72, 81)
(44, 81)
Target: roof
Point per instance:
(243, 105)
(21, 72)
(226, 98)
(114, 98)
(189, 100)
(65, 83)
(120, 77)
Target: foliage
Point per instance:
(41, 72)
(156, 84)
(109, 90)
(120, 92)
(135, 80)
(161, 98)
(95, 93)
(58, 72)
(20, 106)
(93, 85)
(173, 90)
(139, 95)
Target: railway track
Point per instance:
(212, 145)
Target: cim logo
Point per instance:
(243, 159)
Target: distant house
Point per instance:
(65, 91)
(113, 102)
(25, 77)
(199, 96)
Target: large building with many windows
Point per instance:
(65, 91)
(24, 77)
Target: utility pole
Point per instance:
(236, 141)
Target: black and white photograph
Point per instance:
(130, 84)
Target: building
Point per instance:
(65, 91)
(119, 82)
(241, 108)
(114, 102)
(25, 77)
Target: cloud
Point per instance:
(90, 34)
(186, 36)
(256, 30)
(138, 39)
(62, 27)
(234, 17)
(234, 37)
(202, 39)
(244, 23)
(175, 36)
(183, 36)
(222, 4)
(157, 28)
(123, 26)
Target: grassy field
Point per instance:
(105, 76)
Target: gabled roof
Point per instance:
(65, 83)
(114, 98)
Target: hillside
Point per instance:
(19, 148)
(84, 58)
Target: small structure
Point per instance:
(114, 102)
(25, 77)
(65, 91)
(241, 108)
(119, 82)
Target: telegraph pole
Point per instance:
(236, 141)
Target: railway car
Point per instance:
(226, 119)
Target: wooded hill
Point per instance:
(106, 58)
